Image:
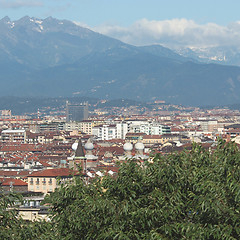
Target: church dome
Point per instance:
(74, 146)
(139, 146)
(127, 146)
(88, 146)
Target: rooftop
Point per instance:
(57, 172)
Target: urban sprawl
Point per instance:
(38, 154)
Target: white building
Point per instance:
(122, 130)
(150, 128)
(119, 130)
(110, 131)
(14, 136)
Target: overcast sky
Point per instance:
(172, 23)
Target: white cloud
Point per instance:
(19, 3)
(174, 33)
(81, 24)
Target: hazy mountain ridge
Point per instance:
(49, 42)
(226, 55)
(53, 57)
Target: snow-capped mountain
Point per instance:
(228, 55)
(51, 57)
(49, 42)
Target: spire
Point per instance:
(79, 151)
(79, 157)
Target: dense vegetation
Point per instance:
(189, 195)
(14, 228)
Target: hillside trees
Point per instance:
(189, 195)
(13, 227)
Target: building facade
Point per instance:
(14, 136)
(110, 131)
(47, 180)
(76, 112)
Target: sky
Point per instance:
(172, 23)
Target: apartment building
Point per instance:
(149, 128)
(83, 126)
(48, 180)
(110, 131)
(14, 136)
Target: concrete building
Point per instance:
(14, 136)
(5, 114)
(149, 128)
(33, 213)
(83, 126)
(105, 132)
(110, 131)
(209, 125)
(122, 129)
(76, 112)
(134, 137)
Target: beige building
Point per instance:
(209, 125)
(86, 127)
(155, 139)
(48, 180)
(83, 126)
(152, 139)
(33, 214)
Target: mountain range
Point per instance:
(226, 55)
(52, 57)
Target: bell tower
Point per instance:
(78, 159)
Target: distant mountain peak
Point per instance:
(54, 57)
(6, 19)
(23, 19)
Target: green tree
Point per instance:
(189, 195)
(12, 226)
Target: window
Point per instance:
(37, 182)
(44, 181)
(31, 181)
(50, 181)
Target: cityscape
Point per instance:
(36, 151)
(119, 120)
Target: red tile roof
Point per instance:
(57, 172)
(13, 182)
(22, 148)
(44, 163)
(13, 173)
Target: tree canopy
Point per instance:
(13, 227)
(189, 195)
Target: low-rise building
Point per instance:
(47, 180)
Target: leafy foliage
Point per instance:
(12, 227)
(188, 195)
